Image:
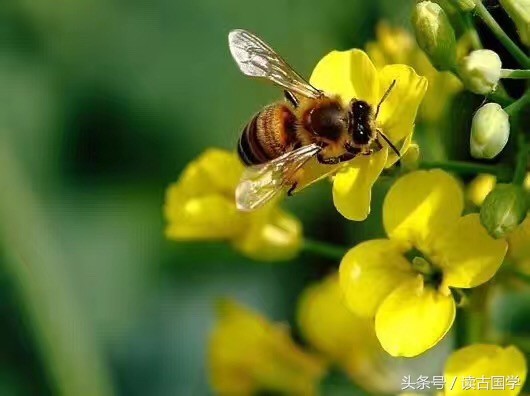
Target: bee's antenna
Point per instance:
(385, 96)
(387, 140)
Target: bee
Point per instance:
(284, 137)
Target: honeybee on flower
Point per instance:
(348, 112)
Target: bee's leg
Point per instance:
(327, 161)
(376, 146)
(289, 96)
(292, 188)
(335, 160)
(346, 157)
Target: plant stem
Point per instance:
(520, 275)
(515, 74)
(518, 105)
(38, 270)
(497, 30)
(468, 168)
(521, 161)
(472, 31)
(324, 249)
(501, 98)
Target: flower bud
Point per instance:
(465, 5)
(490, 130)
(481, 71)
(503, 209)
(434, 34)
(519, 11)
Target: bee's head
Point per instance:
(360, 122)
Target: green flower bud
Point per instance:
(466, 5)
(490, 130)
(435, 35)
(519, 11)
(481, 71)
(504, 209)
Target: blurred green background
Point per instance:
(102, 104)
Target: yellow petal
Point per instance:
(495, 370)
(215, 170)
(200, 205)
(405, 154)
(369, 272)
(247, 354)
(467, 254)
(398, 111)
(413, 318)
(349, 74)
(480, 187)
(205, 218)
(346, 339)
(329, 326)
(420, 205)
(352, 186)
(271, 235)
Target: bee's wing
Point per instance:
(261, 183)
(256, 59)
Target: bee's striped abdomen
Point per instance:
(268, 135)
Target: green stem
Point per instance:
(468, 168)
(472, 31)
(500, 97)
(520, 275)
(461, 329)
(521, 161)
(471, 323)
(497, 30)
(36, 267)
(324, 249)
(515, 74)
(518, 105)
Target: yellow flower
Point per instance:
(201, 206)
(405, 281)
(486, 370)
(351, 74)
(343, 337)
(349, 341)
(248, 355)
(397, 45)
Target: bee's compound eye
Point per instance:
(359, 106)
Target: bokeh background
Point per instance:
(102, 104)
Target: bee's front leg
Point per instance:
(327, 161)
(291, 189)
(335, 160)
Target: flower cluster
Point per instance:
(407, 281)
(201, 207)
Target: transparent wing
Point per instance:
(256, 59)
(261, 183)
